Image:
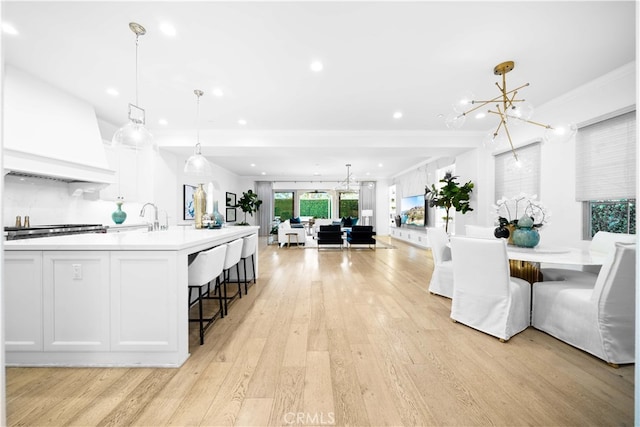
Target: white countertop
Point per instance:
(174, 239)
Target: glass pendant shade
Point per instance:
(560, 132)
(133, 135)
(198, 167)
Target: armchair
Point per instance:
(285, 228)
(329, 235)
(361, 235)
(599, 317)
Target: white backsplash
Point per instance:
(49, 202)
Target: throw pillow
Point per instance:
(346, 221)
(354, 221)
(295, 220)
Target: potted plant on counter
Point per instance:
(249, 203)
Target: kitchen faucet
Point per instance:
(156, 223)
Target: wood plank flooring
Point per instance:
(334, 337)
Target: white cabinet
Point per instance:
(148, 278)
(134, 169)
(415, 236)
(76, 295)
(23, 301)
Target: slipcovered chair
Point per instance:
(361, 235)
(205, 268)
(597, 318)
(442, 276)
(329, 235)
(485, 296)
(602, 244)
(284, 228)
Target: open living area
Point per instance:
(327, 213)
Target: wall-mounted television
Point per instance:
(412, 211)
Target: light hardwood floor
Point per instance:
(334, 337)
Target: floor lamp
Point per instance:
(366, 214)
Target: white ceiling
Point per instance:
(379, 57)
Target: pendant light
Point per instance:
(134, 134)
(197, 166)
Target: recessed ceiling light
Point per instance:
(168, 29)
(379, 165)
(242, 122)
(9, 29)
(253, 165)
(397, 115)
(163, 122)
(263, 173)
(218, 92)
(316, 66)
(113, 92)
(480, 116)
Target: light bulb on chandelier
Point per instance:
(510, 110)
(134, 134)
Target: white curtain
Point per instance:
(264, 189)
(367, 200)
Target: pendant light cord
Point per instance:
(137, 38)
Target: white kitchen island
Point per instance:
(115, 299)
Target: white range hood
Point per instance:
(50, 133)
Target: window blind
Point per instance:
(606, 159)
(513, 179)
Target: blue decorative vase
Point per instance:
(526, 237)
(217, 216)
(118, 216)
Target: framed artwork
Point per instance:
(231, 214)
(231, 200)
(187, 202)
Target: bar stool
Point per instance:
(206, 267)
(231, 259)
(249, 246)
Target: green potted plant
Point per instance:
(249, 203)
(450, 195)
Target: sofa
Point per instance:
(342, 222)
(285, 228)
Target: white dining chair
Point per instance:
(602, 244)
(249, 247)
(599, 317)
(485, 296)
(479, 231)
(442, 277)
(231, 259)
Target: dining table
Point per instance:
(525, 262)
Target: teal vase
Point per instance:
(217, 216)
(118, 216)
(526, 237)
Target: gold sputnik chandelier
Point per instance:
(509, 109)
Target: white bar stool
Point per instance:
(206, 267)
(231, 259)
(249, 246)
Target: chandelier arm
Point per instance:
(513, 150)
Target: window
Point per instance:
(348, 204)
(523, 177)
(606, 174)
(315, 204)
(615, 216)
(283, 205)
